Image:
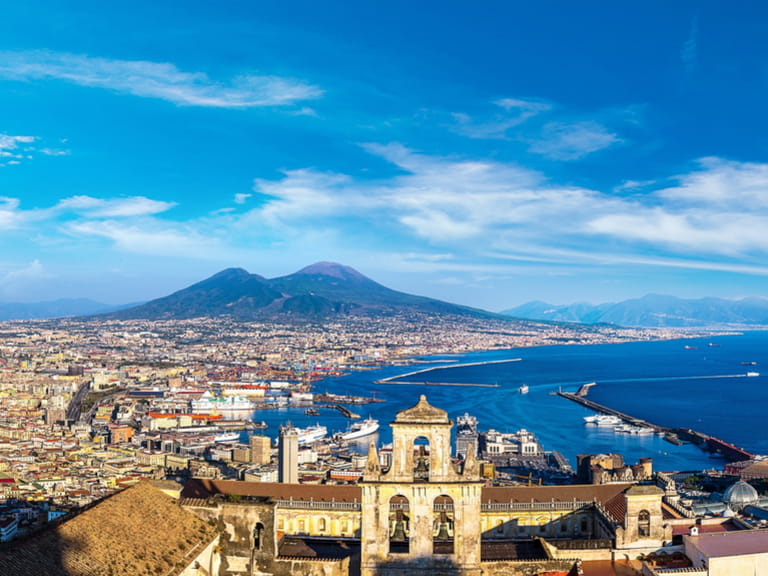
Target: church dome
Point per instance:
(739, 495)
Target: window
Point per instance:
(258, 536)
(644, 524)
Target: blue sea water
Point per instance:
(698, 383)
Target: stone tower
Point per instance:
(288, 455)
(422, 515)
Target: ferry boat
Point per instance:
(210, 403)
(227, 437)
(602, 420)
(753, 374)
(360, 429)
(311, 433)
(523, 389)
(630, 429)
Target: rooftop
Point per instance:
(737, 543)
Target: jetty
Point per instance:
(672, 435)
(400, 378)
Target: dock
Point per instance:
(672, 435)
(605, 410)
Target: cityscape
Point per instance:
(383, 289)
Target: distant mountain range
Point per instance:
(318, 291)
(654, 311)
(53, 309)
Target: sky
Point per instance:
(487, 154)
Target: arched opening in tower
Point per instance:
(443, 525)
(399, 525)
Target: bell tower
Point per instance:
(422, 515)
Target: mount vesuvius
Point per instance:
(318, 291)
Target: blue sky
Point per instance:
(486, 154)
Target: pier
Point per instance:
(672, 435)
(398, 379)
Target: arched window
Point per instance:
(321, 525)
(644, 524)
(399, 524)
(442, 525)
(500, 528)
(421, 459)
(258, 536)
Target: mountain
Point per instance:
(317, 291)
(53, 309)
(653, 311)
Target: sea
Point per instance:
(699, 383)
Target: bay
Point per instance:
(699, 383)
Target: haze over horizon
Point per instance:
(486, 156)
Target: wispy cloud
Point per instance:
(515, 111)
(116, 207)
(160, 80)
(689, 51)
(574, 140)
(720, 208)
(14, 282)
(151, 238)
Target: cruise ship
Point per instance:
(210, 403)
(311, 433)
(360, 429)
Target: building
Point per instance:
(729, 553)
(288, 455)
(424, 513)
(261, 449)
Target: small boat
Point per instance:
(312, 412)
(523, 389)
(750, 374)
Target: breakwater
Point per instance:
(403, 378)
(673, 435)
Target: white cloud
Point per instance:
(241, 198)
(13, 283)
(721, 208)
(10, 215)
(573, 140)
(156, 80)
(14, 149)
(153, 238)
(114, 208)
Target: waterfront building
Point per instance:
(607, 468)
